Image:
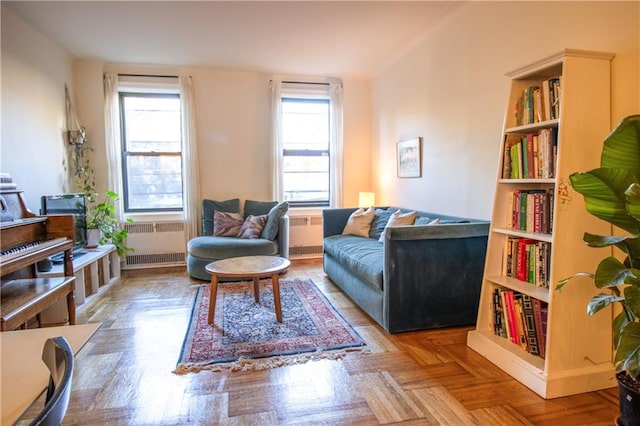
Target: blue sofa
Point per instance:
(208, 248)
(421, 277)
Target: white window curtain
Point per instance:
(335, 139)
(336, 144)
(112, 139)
(276, 139)
(190, 173)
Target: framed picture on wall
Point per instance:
(409, 155)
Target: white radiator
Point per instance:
(305, 236)
(156, 244)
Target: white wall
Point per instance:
(451, 90)
(32, 147)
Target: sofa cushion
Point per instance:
(363, 256)
(270, 230)
(257, 208)
(359, 222)
(226, 224)
(215, 248)
(209, 206)
(398, 219)
(252, 226)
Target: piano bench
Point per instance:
(23, 299)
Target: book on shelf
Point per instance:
(541, 327)
(530, 210)
(527, 260)
(538, 103)
(530, 156)
(521, 319)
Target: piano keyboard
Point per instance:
(7, 255)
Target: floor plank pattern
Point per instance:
(124, 374)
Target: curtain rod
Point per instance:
(304, 82)
(147, 75)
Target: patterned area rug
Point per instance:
(246, 335)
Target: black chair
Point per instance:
(58, 357)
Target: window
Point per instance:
(151, 151)
(306, 155)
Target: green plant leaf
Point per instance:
(633, 200)
(611, 273)
(628, 350)
(564, 281)
(632, 299)
(601, 301)
(619, 323)
(603, 190)
(594, 240)
(621, 148)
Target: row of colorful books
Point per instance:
(530, 210)
(522, 319)
(527, 260)
(539, 103)
(531, 156)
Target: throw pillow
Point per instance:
(359, 222)
(226, 224)
(270, 230)
(252, 226)
(257, 208)
(398, 219)
(423, 220)
(209, 206)
(379, 221)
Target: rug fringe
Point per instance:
(254, 364)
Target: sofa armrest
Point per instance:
(451, 230)
(334, 220)
(433, 275)
(283, 236)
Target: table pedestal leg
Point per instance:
(212, 298)
(256, 289)
(276, 297)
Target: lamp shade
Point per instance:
(366, 199)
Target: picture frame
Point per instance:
(409, 156)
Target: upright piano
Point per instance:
(26, 239)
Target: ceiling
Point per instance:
(329, 38)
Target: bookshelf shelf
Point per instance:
(564, 101)
(540, 293)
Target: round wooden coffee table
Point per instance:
(255, 267)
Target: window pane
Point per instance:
(152, 123)
(306, 178)
(154, 182)
(305, 123)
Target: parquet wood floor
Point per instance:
(124, 374)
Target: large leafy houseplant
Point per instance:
(612, 193)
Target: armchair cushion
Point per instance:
(270, 230)
(257, 208)
(209, 206)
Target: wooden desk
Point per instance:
(23, 375)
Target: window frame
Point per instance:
(122, 94)
(307, 98)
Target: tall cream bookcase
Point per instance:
(578, 347)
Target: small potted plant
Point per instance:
(612, 193)
(101, 219)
